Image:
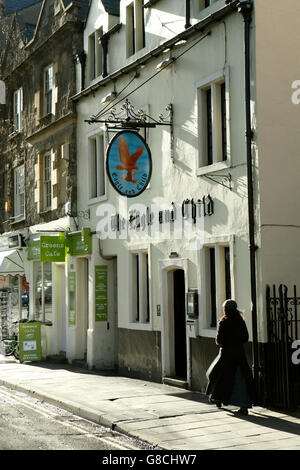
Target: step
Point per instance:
(175, 382)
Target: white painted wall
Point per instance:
(176, 182)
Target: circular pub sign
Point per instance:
(128, 163)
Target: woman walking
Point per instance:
(229, 376)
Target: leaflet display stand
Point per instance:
(5, 313)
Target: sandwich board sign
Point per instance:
(30, 344)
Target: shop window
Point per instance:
(96, 166)
(43, 291)
(135, 27)
(18, 108)
(213, 123)
(218, 279)
(141, 288)
(95, 55)
(19, 193)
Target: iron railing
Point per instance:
(282, 373)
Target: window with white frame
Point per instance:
(96, 166)
(140, 288)
(18, 108)
(135, 27)
(48, 90)
(19, 193)
(217, 261)
(46, 183)
(213, 121)
(95, 54)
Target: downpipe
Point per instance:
(245, 8)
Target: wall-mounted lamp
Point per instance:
(165, 64)
(109, 98)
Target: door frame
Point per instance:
(166, 269)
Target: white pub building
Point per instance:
(217, 213)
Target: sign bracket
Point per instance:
(127, 118)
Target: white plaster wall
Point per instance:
(278, 140)
(176, 182)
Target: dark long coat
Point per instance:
(231, 335)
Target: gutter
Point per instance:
(245, 8)
(189, 32)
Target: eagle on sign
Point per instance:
(128, 161)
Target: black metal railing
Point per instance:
(282, 370)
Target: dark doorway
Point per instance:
(179, 324)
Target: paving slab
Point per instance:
(165, 416)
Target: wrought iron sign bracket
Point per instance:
(127, 118)
(224, 180)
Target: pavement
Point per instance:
(165, 416)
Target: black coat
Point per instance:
(231, 335)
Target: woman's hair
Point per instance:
(230, 309)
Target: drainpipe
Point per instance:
(245, 7)
(187, 14)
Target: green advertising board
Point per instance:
(79, 245)
(101, 293)
(33, 250)
(52, 248)
(72, 298)
(30, 343)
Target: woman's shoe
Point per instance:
(218, 403)
(242, 411)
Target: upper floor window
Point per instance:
(47, 181)
(18, 108)
(96, 166)
(213, 121)
(95, 55)
(135, 27)
(19, 193)
(48, 89)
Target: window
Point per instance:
(213, 122)
(135, 27)
(95, 55)
(218, 281)
(18, 108)
(47, 181)
(141, 288)
(96, 166)
(19, 194)
(48, 90)
(42, 291)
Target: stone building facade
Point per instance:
(38, 182)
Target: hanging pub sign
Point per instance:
(129, 163)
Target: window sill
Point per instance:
(14, 134)
(139, 326)
(44, 211)
(13, 221)
(96, 200)
(205, 170)
(208, 332)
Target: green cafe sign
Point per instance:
(53, 248)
